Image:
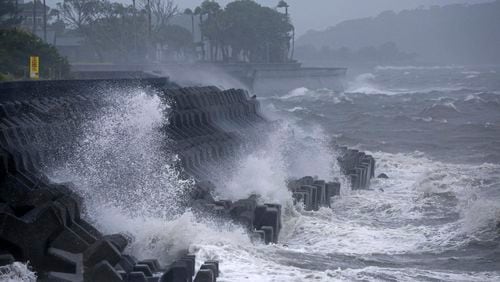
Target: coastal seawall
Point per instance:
(265, 79)
(43, 222)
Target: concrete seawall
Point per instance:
(41, 222)
(262, 79)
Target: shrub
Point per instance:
(16, 47)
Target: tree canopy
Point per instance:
(246, 31)
(16, 46)
(9, 14)
(118, 32)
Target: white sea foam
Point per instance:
(17, 272)
(419, 67)
(304, 94)
(365, 83)
(296, 109)
(474, 73)
(395, 217)
(168, 238)
(475, 98)
(377, 274)
(299, 92)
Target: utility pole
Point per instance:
(44, 22)
(202, 41)
(149, 20)
(284, 4)
(17, 9)
(34, 17)
(150, 41)
(192, 26)
(134, 28)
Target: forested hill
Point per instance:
(459, 34)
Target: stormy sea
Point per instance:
(434, 131)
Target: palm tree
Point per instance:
(210, 8)
(189, 12)
(198, 11)
(134, 23)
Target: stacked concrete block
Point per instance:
(313, 193)
(209, 271)
(40, 222)
(263, 222)
(207, 127)
(357, 166)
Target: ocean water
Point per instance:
(435, 131)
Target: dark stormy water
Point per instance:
(434, 131)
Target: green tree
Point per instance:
(247, 31)
(110, 32)
(78, 15)
(213, 26)
(9, 14)
(177, 40)
(198, 12)
(16, 46)
(190, 13)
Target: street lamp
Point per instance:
(283, 4)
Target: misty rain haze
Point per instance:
(249, 140)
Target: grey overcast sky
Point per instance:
(319, 14)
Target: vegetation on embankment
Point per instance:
(16, 47)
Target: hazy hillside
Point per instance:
(450, 34)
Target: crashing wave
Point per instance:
(444, 110)
(17, 272)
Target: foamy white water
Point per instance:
(17, 272)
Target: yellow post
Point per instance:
(34, 67)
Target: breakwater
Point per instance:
(41, 221)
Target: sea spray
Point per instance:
(121, 159)
(17, 272)
(169, 239)
(286, 152)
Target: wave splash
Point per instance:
(120, 159)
